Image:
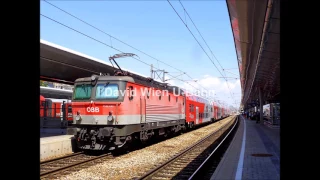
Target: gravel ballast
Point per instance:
(132, 164)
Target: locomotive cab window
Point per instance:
(82, 91)
(107, 91)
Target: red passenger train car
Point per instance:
(215, 111)
(53, 109)
(51, 101)
(198, 110)
(42, 103)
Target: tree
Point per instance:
(43, 83)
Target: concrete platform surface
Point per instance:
(239, 163)
(55, 146)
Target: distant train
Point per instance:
(55, 104)
(111, 112)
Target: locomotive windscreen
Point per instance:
(101, 91)
(107, 91)
(82, 91)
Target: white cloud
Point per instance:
(214, 85)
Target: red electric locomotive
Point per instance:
(111, 111)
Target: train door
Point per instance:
(64, 111)
(197, 115)
(42, 106)
(48, 110)
(58, 108)
(69, 110)
(213, 112)
(179, 108)
(142, 110)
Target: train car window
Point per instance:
(169, 98)
(176, 99)
(190, 108)
(160, 97)
(148, 93)
(107, 91)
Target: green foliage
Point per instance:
(43, 83)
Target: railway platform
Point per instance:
(47, 132)
(55, 146)
(254, 153)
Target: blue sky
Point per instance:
(154, 28)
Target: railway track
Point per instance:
(70, 163)
(188, 164)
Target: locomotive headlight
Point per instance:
(110, 118)
(93, 77)
(78, 117)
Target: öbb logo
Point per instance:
(93, 109)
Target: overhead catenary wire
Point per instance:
(200, 34)
(204, 42)
(200, 46)
(185, 81)
(108, 46)
(119, 40)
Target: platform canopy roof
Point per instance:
(63, 65)
(256, 30)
